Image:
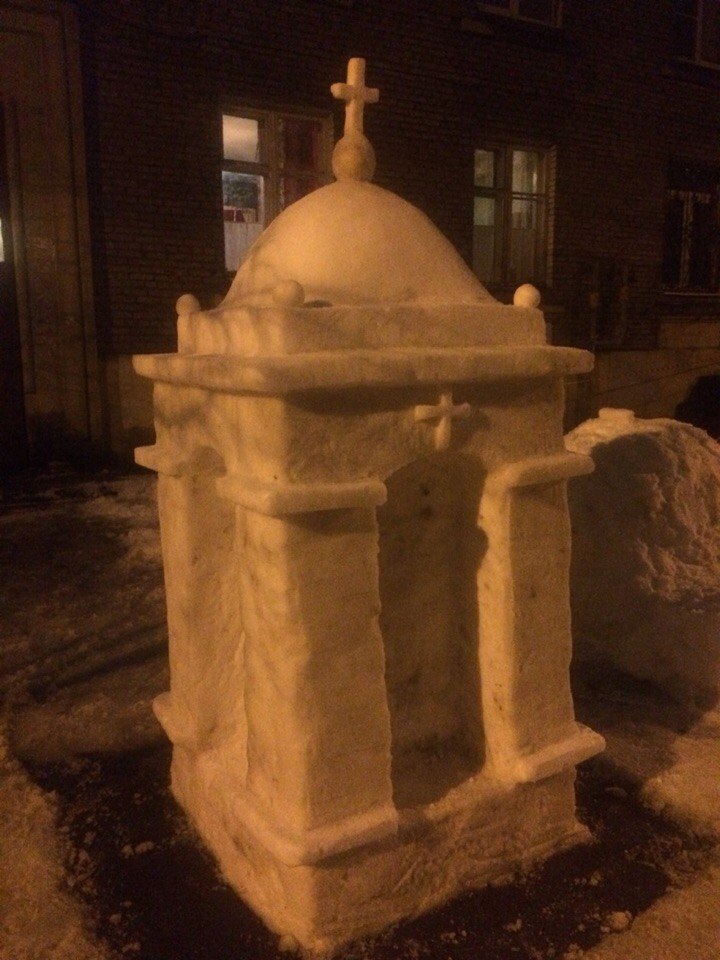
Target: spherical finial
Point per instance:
(186, 304)
(288, 293)
(527, 296)
(353, 158)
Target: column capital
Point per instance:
(277, 499)
(171, 461)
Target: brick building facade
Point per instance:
(596, 88)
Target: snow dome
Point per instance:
(353, 266)
(352, 242)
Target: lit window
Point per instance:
(696, 31)
(511, 215)
(691, 261)
(270, 159)
(541, 11)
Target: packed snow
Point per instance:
(39, 918)
(645, 576)
(83, 611)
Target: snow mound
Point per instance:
(39, 919)
(645, 572)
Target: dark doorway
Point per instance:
(13, 435)
(701, 407)
(430, 549)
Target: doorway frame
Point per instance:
(76, 401)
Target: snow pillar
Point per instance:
(197, 527)
(525, 614)
(318, 752)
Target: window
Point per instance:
(270, 159)
(511, 215)
(696, 31)
(540, 11)
(691, 261)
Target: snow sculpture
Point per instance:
(646, 552)
(365, 539)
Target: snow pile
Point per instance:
(645, 575)
(39, 920)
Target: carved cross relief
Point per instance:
(444, 412)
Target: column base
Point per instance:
(579, 746)
(480, 832)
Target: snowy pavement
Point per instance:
(99, 864)
(82, 614)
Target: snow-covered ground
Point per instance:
(81, 588)
(82, 622)
(39, 917)
(82, 613)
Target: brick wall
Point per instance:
(602, 90)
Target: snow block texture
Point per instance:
(645, 573)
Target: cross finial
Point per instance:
(355, 94)
(353, 156)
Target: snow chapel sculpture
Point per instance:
(365, 539)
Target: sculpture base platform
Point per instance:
(480, 832)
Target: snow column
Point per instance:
(525, 614)
(318, 722)
(205, 706)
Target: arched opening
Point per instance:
(430, 551)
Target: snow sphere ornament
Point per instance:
(353, 158)
(527, 296)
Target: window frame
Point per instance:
(690, 197)
(504, 195)
(696, 58)
(512, 12)
(268, 164)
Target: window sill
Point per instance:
(688, 306)
(693, 71)
(494, 26)
(685, 295)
